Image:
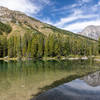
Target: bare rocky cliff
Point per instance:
(91, 32)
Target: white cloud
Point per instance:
(45, 1)
(47, 20)
(78, 14)
(64, 8)
(86, 1)
(85, 12)
(73, 18)
(79, 26)
(96, 6)
(26, 6)
(99, 3)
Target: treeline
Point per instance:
(38, 46)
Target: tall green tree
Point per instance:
(34, 47)
(11, 47)
(46, 48)
(99, 45)
(40, 52)
(19, 46)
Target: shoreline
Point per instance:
(52, 58)
(9, 59)
(95, 58)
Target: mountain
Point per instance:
(21, 23)
(23, 36)
(91, 32)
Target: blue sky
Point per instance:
(73, 15)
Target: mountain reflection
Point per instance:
(93, 79)
(85, 88)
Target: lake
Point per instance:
(23, 80)
(85, 88)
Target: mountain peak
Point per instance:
(92, 26)
(91, 31)
(6, 9)
(6, 15)
(2, 8)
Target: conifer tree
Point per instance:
(46, 50)
(11, 47)
(99, 45)
(40, 46)
(51, 45)
(34, 47)
(19, 47)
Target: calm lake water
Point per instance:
(25, 80)
(85, 88)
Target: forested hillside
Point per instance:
(23, 36)
(37, 45)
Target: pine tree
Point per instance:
(3, 46)
(29, 48)
(46, 50)
(24, 46)
(15, 46)
(19, 47)
(51, 45)
(34, 47)
(99, 45)
(40, 46)
(11, 47)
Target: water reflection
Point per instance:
(20, 80)
(86, 88)
(93, 79)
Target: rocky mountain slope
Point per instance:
(91, 32)
(17, 23)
